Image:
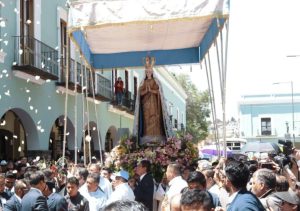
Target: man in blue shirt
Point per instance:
(95, 195)
(237, 175)
(55, 201)
(34, 200)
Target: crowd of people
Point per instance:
(226, 184)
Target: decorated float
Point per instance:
(118, 34)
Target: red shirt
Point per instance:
(119, 88)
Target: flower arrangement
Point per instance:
(124, 157)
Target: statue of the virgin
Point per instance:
(151, 121)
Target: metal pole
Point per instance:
(88, 113)
(67, 87)
(96, 115)
(293, 114)
(83, 125)
(224, 92)
(75, 108)
(220, 71)
(212, 109)
(214, 105)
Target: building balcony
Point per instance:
(103, 90)
(128, 102)
(34, 58)
(71, 82)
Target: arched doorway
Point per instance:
(111, 138)
(56, 138)
(13, 141)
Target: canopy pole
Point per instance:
(83, 125)
(75, 107)
(214, 105)
(88, 113)
(220, 71)
(220, 76)
(96, 115)
(210, 98)
(67, 88)
(224, 89)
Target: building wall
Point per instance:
(278, 107)
(38, 106)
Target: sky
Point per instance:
(262, 33)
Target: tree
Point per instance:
(232, 119)
(197, 108)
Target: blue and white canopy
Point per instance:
(119, 33)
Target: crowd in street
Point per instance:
(227, 184)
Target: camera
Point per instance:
(285, 158)
(287, 146)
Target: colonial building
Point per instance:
(269, 117)
(33, 87)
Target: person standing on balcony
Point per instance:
(119, 90)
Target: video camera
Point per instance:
(285, 158)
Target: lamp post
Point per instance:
(291, 82)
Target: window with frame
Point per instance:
(177, 118)
(135, 85)
(170, 111)
(27, 30)
(26, 15)
(63, 42)
(266, 128)
(116, 74)
(126, 80)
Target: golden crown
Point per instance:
(146, 62)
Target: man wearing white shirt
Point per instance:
(104, 183)
(176, 182)
(122, 189)
(14, 203)
(210, 183)
(70, 169)
(94, 194)
(162, 189)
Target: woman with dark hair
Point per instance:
(119, 90)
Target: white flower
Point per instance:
(2, 23)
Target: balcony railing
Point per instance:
(103, 87)
(72, 73)
(128, 100)
(35, 57)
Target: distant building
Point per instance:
(268, 117)
(232, 129)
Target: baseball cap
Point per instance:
(288, 196)
(123, 174)
(3, 163)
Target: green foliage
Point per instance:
(197, 108)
